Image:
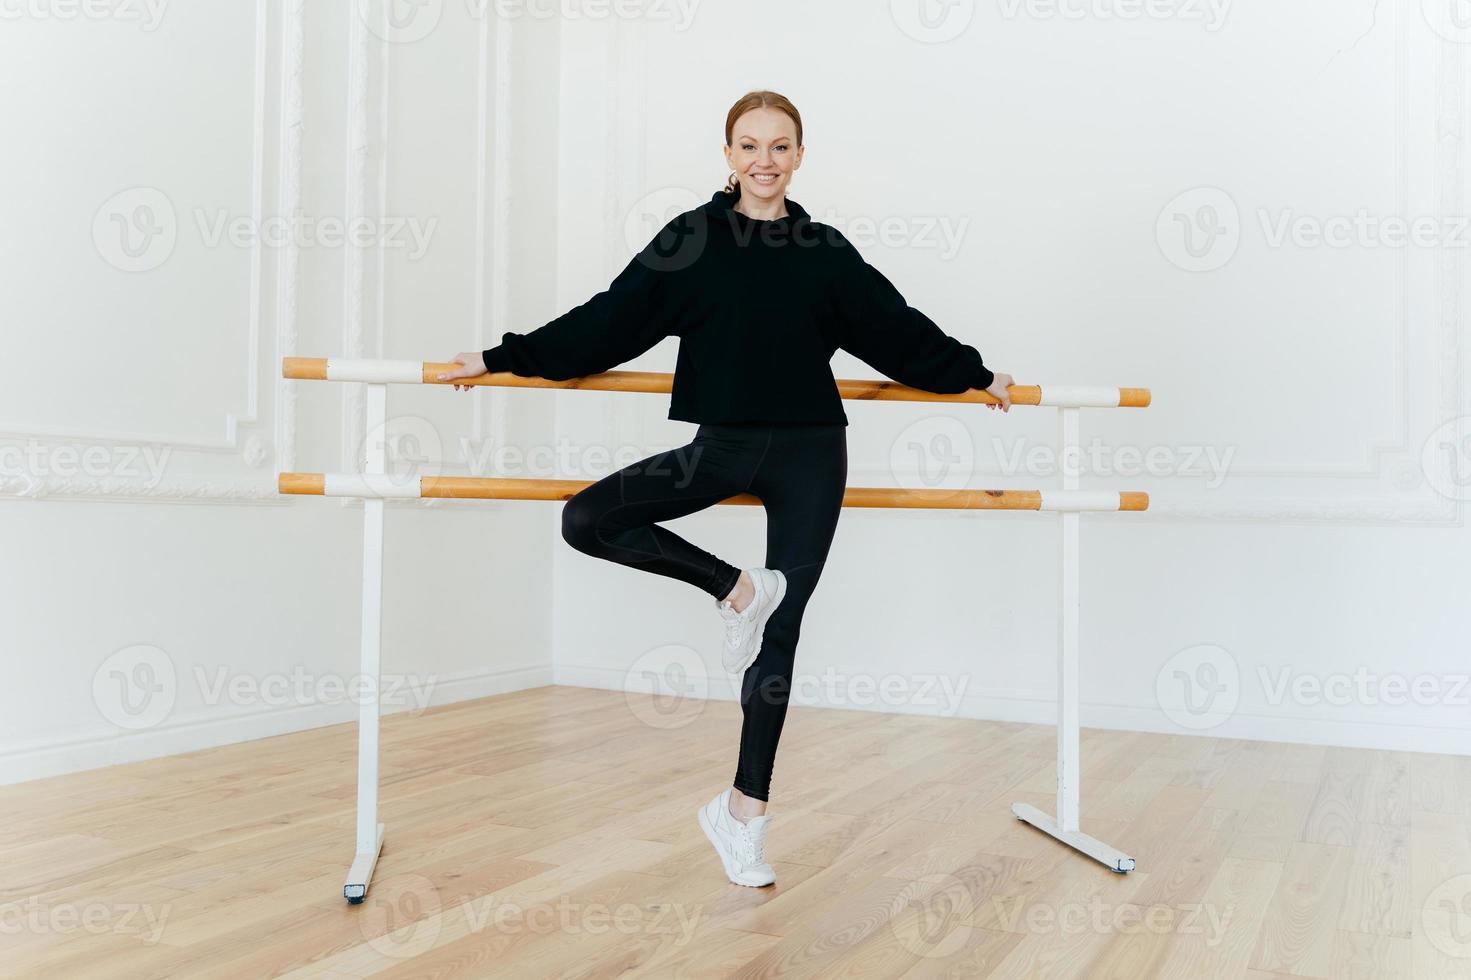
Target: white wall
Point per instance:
(1287, 599)
(134, 588)
(1031, 174)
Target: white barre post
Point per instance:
(1069, 751)
(369, 830)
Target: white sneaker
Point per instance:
(744, 629)
(740, 845)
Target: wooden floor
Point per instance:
(551, 833)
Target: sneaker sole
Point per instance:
(781, 591)
(714, 840)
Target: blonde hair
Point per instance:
(757, 100)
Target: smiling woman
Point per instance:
(760, 297)
(765, 153)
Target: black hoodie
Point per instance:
(759, 308)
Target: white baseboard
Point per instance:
(108, 748)
(1041, 710)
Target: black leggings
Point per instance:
(799, 471)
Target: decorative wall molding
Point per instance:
(248, 438)
(1392, 461)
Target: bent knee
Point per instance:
(580, 524)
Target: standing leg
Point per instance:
(801, 482)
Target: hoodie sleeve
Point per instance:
(878, 326)
(616, 325)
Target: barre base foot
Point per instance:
(355, 888)
(1107, 855)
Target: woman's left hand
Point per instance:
(998, 388)
(471, 365)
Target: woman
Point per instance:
(760, 297)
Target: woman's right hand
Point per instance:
(998, 388)
(471, 365)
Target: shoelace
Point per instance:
(734, 624)
(754, 846)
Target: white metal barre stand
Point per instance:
(1069, 770)
(369, 830)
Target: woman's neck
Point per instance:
(770, 212)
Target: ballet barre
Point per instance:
(374, 485)
(656, 383)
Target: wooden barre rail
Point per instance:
(370, 485)
(653, 382)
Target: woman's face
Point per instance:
(764, 153)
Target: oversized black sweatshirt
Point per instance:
(759, 307)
